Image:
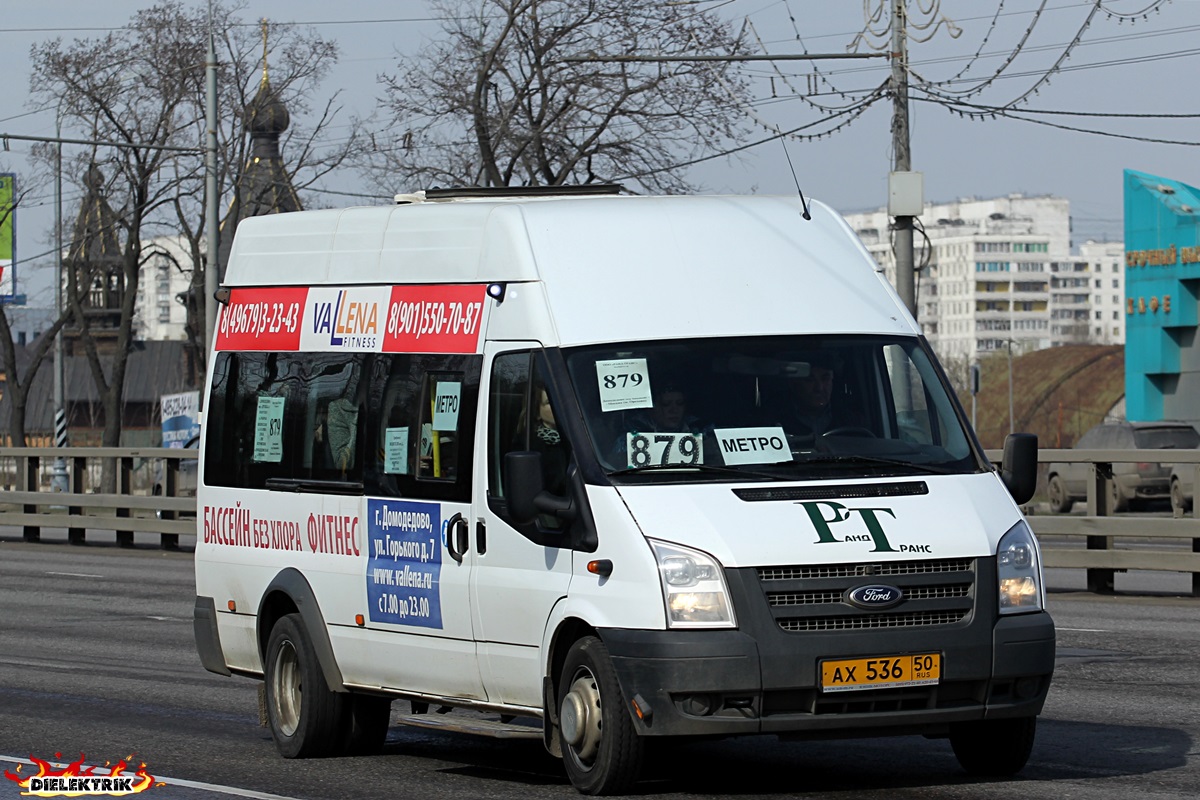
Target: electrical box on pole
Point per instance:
(906, 194)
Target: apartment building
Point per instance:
(1106, 272)
(166, 275)
(997, 272)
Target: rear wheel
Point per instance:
(1060, 501)
(601, 750)
(993, 748)
(307, 719)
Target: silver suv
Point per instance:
(1133, 482)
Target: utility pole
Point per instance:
(902, 204)
(211, 265)
(59, 481)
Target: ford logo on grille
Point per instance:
(876, 596)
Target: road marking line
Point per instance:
(1083, 630)
(75, 574)
(21, 662)
(210, 787)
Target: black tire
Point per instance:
(367, 724)
(993, 748)
(1060, 501)
(307, 719)
(601, 750)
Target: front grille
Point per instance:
(807, 599)
(829, 597)
(864, 570)
(871, 621)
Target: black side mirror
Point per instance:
(524, 489)
(1018, 470)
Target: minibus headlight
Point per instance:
(1019, 568)
(693, 585)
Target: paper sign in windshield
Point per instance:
(445, 405)
(663, 449)
(268, 430)
(395, 451)
(753, 445)
(624, 384)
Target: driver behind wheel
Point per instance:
(811, 411)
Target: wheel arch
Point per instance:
(290, 593)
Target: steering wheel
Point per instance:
(851, 430)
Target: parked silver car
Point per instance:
(1133, 482)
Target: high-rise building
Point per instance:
(160, 310)
(998, 273)
(1106, 273)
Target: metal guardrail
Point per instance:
(1114, 544)
(106, 489)
(1109, 543)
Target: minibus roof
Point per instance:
(612, 267)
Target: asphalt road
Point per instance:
(96, 658)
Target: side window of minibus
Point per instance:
(218, 428)
(441, 412)
(421, 425)
(507, 414)
(521, 418)
(334, 391)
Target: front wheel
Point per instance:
(307, 719)
(601, 750)
(993, 748)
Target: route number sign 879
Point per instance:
(663, 449)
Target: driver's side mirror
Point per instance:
(1018, 470)
(524, 490)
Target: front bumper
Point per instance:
(761, 679)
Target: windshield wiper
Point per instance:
(856, 460)
(709, 468)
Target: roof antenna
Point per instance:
(803, 204)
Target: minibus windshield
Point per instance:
(769, 407)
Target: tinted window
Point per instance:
(393, 425)
(1176, 438)
(522, 417)
(771, 406)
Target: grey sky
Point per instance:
(1118, 67)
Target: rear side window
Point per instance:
(390, 425)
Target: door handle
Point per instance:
(480, 537)
(457, 533)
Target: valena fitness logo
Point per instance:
(76, 780)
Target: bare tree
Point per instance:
(493, 103)
(140, 89)
(290, 62)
